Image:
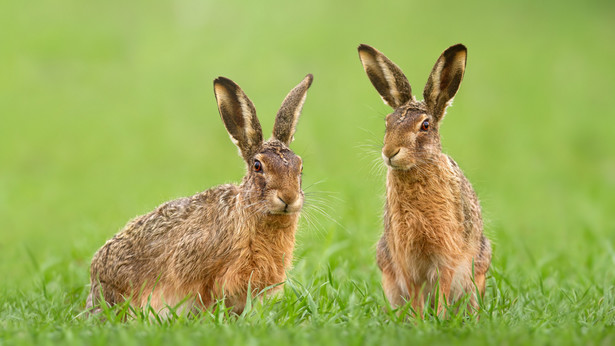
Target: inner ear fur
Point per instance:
(444, 80)
(239, 116)
(386, 77)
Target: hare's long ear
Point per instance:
(445, 79)
(387, 78)
(288, 115)
(239, 116)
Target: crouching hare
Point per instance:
(215, 244)
(433, 229)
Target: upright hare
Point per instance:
(219, 242)
(433, 229)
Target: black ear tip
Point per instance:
(225, 82)
(458, 51)
(363, 47)
(310, 78)
(458, 48)
(220, 79)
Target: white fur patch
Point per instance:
(296, 115)
(435, 81)
(390, 78)
(246, 112)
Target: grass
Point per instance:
(107, 110)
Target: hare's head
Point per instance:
(273, 179)
(412, 136)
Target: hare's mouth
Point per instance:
(399, 164)
(288, 210)
(285, 206)
(283, 212)
(401, 167)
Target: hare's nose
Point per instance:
(287, 199)
(388, 152)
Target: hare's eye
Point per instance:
(425, 125)
(258, 166)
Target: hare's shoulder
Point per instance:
(454, 166)
(458, 173)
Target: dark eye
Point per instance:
(425, 125)
(258, 166)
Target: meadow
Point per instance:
(107, 110)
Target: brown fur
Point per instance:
(433, 229)
(214, 244)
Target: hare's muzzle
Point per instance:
(286, 203)
(390, 155)
(397, 158)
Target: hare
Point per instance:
(433, 237)
(216, 244)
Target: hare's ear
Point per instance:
(445, 79)
(239, 116)
(288, 115)
(387, 78)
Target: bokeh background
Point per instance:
(107, 110)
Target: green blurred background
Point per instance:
(107, 110)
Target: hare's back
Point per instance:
(143, 242)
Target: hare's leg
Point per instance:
(481, 265)
(92, 301)
(417, 294)
(203, 300)
(89, 303)
(237, 301)
(479, 283)
(390, 283)
(392, 290)
(97, 290)
(102, 293)
(444, 291)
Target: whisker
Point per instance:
(325, 214)
(314, 184)
(312, 222)
(315, 196)
(318, 202)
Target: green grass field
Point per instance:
(107, 110)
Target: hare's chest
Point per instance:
(257, 266)
(424, 239)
